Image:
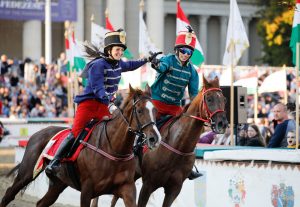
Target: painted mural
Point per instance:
(237, 191)
(282, 195)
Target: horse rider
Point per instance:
(103, 74)
(175, 73)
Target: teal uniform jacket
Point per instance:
(172, 79)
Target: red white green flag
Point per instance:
(74, 53)
(181, 23)
(295, 37)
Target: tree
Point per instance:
(275, 28)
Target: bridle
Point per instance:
(208, 113)
(140, 126)
(208, 119)
(138, 132)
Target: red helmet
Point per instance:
(186, 39)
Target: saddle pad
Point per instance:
(52, 146)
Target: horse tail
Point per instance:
(16, 168)
(92, 51)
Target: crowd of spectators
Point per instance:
(33, 89)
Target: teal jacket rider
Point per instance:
(172, 79)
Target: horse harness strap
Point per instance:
(175, 150)
(210, 114)
(105, 154)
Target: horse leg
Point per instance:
(128, 193)
(170, 194)
(95, 202)
(145, 194)
(55, 188)
(22, 180)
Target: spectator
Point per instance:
(207, 137)
(291, 139)
(242, 135)
(281, 117)
(254, 137)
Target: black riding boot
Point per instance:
(195, 174)
(60, 153)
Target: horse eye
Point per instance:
(225, 100)
(139, 111)
(209, 99)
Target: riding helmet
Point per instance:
(115, 38)
(186, 39)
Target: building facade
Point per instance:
(209, 18)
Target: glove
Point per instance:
(112, 107)
(152, 56)
(154, 61)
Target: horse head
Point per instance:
(141, 113)
(211, 105)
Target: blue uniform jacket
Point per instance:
(103, 79)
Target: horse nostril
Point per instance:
(152, 140)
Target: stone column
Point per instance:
(155, 22)
(224, 26)
(32, 39)
(203, 32)
(79, 24)
(116, 12)
(245, 56)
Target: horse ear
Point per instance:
(148, 90)
(131, 90)
(205, 82)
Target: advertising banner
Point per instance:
(61, 10)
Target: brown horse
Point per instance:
(170, 164)
(98, 174)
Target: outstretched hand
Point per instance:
(152, 58)
(152, 55)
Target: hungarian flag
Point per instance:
(127, 53)
(295, 38)
(181, 23)
(74, 53)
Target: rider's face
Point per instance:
(117, 52)
(184, 54)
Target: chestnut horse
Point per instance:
(171, 163)
(110, 172)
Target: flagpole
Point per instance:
(232, 51)
(297, 93)
(286, 92)
(48, 37)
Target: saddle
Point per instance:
(54, 143)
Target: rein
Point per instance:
(105, 154)
(175, 150)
